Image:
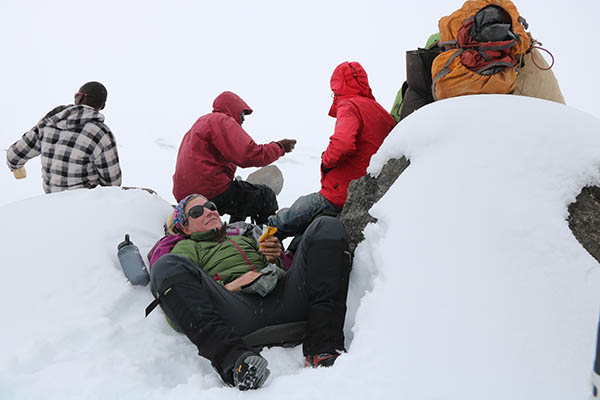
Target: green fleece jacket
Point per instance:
(223, 257)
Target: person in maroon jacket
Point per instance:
(210, 153)
(360, 128)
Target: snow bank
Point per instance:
(471, 286)
(488, 292)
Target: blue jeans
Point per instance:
(294, 220)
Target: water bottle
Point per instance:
(132, 262)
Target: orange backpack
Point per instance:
(485, 42)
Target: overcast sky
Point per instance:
(163, 62)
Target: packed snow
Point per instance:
(470, 286)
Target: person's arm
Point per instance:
(238, 147)
(26, 148)
(107, 162)
(343, 142)
(271, 248)
(244, 280)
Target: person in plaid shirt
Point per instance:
(77, 149)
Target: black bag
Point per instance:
(416, 91)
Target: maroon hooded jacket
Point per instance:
(361, 126)
(215, 146)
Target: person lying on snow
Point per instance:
(219, 288)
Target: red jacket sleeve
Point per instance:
(238, 147)
(343, 141)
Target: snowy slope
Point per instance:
(493, 296)
(471, 286)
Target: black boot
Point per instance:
(250, 371)
(320, 360)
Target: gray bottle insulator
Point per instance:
(132, 262)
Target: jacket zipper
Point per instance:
(243, 254)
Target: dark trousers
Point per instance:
(215, 319)
(243, 199)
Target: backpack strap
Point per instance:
(512, 43)
(445, 71)
(493, 66)
(155, 303)
(450, 44)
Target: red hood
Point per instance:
(349, 79)
(231, 104)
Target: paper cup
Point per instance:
(20, 173)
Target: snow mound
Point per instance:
(488, 293)
(470, 286)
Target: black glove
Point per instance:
(287, 144)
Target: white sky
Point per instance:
(163, 62)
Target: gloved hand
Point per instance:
(287, 144)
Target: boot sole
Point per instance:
(256, 375)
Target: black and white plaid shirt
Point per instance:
(77, 150)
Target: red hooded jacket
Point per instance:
(361, 126)
(215, 146)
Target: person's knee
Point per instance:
(326, 227)
(270, 199)
(166, 267)
(265, 205)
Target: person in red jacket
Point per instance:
(210, 153)
(360, 128)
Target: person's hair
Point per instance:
(95, 95)
(170, 228)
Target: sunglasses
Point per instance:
(197, 211)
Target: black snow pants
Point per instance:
(243, 199)
(214, 319)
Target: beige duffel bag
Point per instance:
(535, 82)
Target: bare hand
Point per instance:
(271, 248)
(246, 279)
